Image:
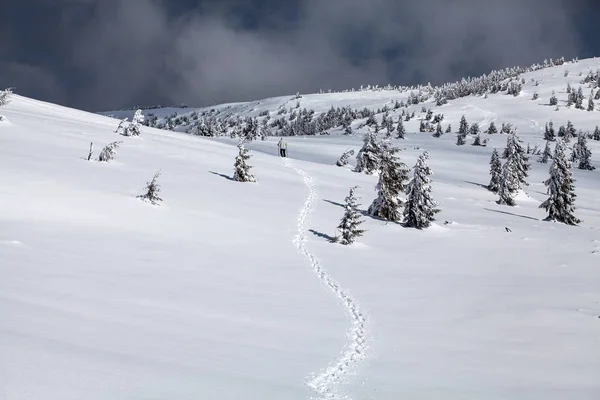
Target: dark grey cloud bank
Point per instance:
(106, 54)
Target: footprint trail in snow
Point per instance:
(326, 383)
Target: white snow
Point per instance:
(231, 290)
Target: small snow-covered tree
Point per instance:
(478, 142)
(400, 130)
(152, 191)
(560, 203)
(584, 154)
(591, 105)
(133, 129)
(108, 152)
(492, 128)
(349, 225)
(549, 133)
(461, 139)
(553, 99)
(596, 134)
(464, 126)
(547, 154)
(449, 129)
(474, 129)
(241, 168)
(367, 159)
(420, 208)
(392, 182)
(438, 130)
(345, 157)
(495, 172)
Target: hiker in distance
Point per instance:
(282, 147)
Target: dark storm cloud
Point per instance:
(113, 53)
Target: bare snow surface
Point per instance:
(231, 290)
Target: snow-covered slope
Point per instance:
(231, 290)
(528, 115)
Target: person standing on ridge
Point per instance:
(282, 147)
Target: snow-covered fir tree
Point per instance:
(553, 99)
(344, 158)
(464, 126)
(596, 134)
(349, 225)
(133, 128)
(547, 154)
(241, 168)
(549, 133)
(478, 142)
(514, 149)
(591, 105)
(152, 191)
(560, 204)
(109, 151)
(584, 154)
(495, 172)
(438, 130)
(420, 208)
(392, 182)
(474, 129)
(449, 129)
(400, 130)
(492, 128)
(509, 182)
(367, 159)
(461, 139)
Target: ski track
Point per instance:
(326, 383)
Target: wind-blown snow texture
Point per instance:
(207, 296)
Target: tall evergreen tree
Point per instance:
(367, 159)
(579, 98)
(392, 182)
(349, 225)
(464, 126)
(420, 208)
(584, 154)
(547, 154)
(400, 130)
(590, 106)
(438, 130)
(514, 148)
(561, 188)
(509, 182)
(549, 134)
(241, 168)
(495, 172)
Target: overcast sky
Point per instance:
(106, 54)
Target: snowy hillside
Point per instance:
(231, 290)
(522, 111)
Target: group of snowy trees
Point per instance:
(508, 178)
(5, 96)
(416, 211)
